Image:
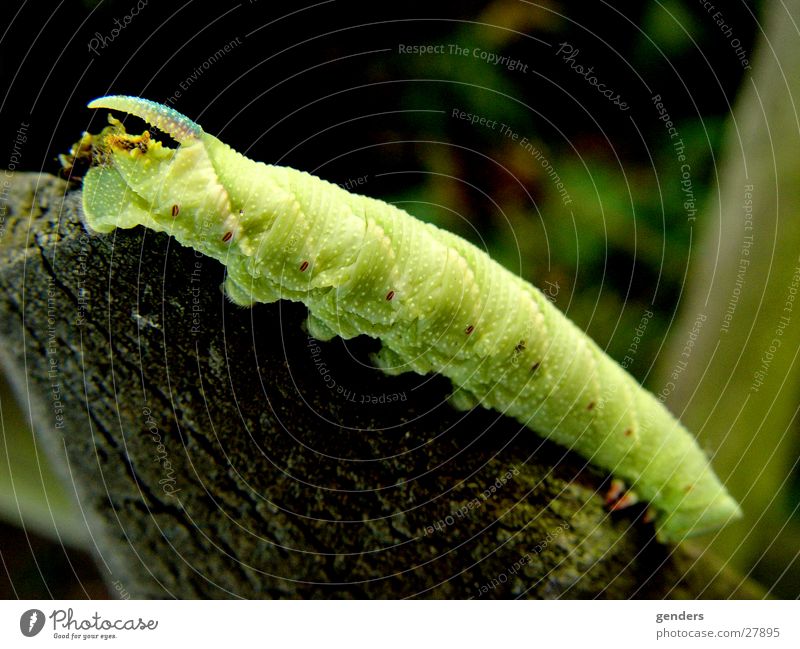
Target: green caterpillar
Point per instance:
(436, 302)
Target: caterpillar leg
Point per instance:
(236, 293)
(389, 362)
(618, 498)
(462, 400)
(316, 328)
(628, 499)
(615, 490)
(244, 295)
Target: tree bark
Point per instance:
(220, 452)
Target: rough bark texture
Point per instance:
(219, 452)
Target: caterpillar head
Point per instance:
(138, 180)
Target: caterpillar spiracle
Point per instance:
(436, 302)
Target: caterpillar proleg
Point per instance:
(436, 302)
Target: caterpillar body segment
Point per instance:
(436, 302)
